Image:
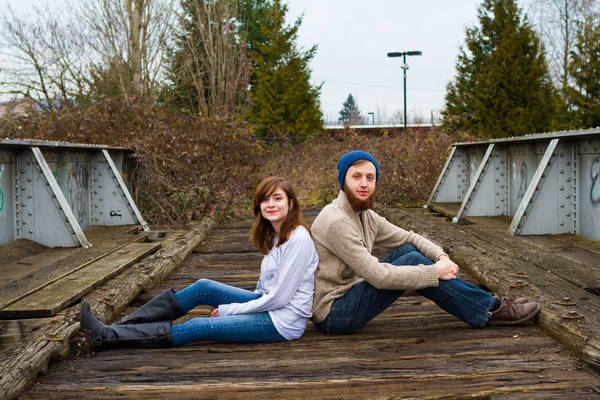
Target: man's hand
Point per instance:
(214, 313)
(446, 268)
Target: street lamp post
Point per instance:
(404, 67)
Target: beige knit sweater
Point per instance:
(344, 241)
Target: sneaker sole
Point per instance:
(526, 318)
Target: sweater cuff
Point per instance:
(431, 277)
(223, 310)
(437, 255)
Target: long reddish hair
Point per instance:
(262, 232)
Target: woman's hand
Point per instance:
(446, 268)
(214, 313)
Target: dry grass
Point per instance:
(188, 167)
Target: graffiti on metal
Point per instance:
(115, 213)
(78, 181)
(1, 194)
(523, 181)
(595, 188)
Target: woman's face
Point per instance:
(275, 207)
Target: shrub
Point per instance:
(189, 166)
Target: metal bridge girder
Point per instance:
(51, 191)
(548, 182)
(550, 203)
(42, 212)
(488, 193)
(452, 183)
(112, 203)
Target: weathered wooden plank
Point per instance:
(496, 262)
(18, 250)
(48, 301)
(574, 264)
(21, 287)
(19, 365)
(50, 256)
(30, 264)
(446, 209)
(438, 360)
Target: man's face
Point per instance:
(361, 180)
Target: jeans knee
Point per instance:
(408, 248)
(416, 258)
(203, 284)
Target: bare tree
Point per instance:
(397, 117)
(85, 51)
(212, 68)
(131, 39)
(45, 58)
(558, 22)
(417, 116)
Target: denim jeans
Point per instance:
(256, 328)
(363, 301)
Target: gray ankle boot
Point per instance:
(163, 307)
(102, 336)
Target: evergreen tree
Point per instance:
(584, 95)
(283, 100)
(502, 87)
(350, 113)
(253, 15)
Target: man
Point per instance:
(352, 286)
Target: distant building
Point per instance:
(17, 107)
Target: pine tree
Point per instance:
(284, 102)
(584, 95)
(350, 113)
(502, 87)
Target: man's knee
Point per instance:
(338, 327)
(407, 248)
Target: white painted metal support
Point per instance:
(550, 203)
(452, 183)
(112, 203)
(548, 182)
(43, 214)
(488, 193)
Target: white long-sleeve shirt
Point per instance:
(287, 285)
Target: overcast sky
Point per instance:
(354, 37)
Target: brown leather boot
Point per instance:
(514, 312)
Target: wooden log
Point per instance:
(58, 295)
(18, 366)
(14, 330)
(497, 260)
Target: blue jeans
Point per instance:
(363, 301)
(255, 328)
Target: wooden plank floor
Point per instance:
(36, 282)
(413, 350)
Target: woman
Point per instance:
(278, 310)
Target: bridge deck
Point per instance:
(413, 350)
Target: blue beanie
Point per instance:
(349, 158)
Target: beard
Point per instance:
(359, 205)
